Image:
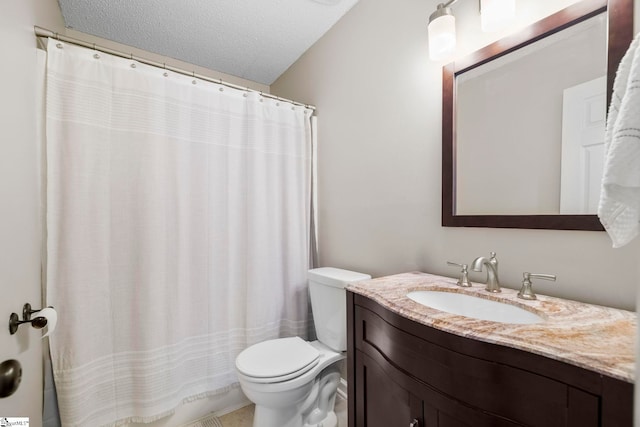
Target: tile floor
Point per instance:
(243, 417)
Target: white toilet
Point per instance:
(294, 382)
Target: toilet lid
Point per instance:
(277, 358)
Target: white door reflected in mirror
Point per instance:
(583, 125)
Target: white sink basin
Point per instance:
(475, 307)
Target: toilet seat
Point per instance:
(327, 357)
(277, 360)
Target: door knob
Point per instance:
(10, 377)
(414, 423)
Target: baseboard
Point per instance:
(233, 408)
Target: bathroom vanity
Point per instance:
(412, 365)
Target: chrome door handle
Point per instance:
(414, 423)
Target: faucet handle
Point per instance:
(526, 292)
(464, 278)
(551, 277)
(493, 260)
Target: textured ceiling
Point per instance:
(253, 39)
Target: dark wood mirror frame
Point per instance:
(620, 27)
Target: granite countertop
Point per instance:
(601, 339)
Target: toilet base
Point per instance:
(331, 420)
(314, 409)
(264, 416)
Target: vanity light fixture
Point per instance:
(442, 32)
(494, 16)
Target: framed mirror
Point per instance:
(517, 113)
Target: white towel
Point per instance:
(619, 207)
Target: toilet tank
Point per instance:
(329, 304)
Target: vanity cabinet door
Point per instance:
(387, 397)
(383, 402)
(444, 411)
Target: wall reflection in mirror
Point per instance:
(520, 130)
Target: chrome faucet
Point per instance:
(493, 284)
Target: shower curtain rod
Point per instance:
(43, 32)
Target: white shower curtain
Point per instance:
(178, 232)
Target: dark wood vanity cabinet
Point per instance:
(402, 372)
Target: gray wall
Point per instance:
(378, 101)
